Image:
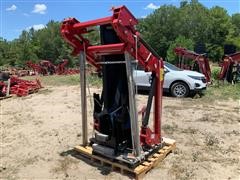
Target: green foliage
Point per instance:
(193, 21)
(222, 91)
(168, 26)
(215, 71)
(235, 41)
(181, 41)
(215, 52)
(93, 36)
(159, 28)
(34, 45)
(236, 23)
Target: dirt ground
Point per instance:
(39, 131)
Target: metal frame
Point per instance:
(227, 61)
(201, 60)
(8, 87)
(123, 22)
(133, 108)
(83, 98)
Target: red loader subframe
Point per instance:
(61, 67)
(36, 68)
(115, 117)
(21, 87)
(44, 67)
(17, 86)
(228, 64)
(201, 62)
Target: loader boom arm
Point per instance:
(227, 61)
(200, 59)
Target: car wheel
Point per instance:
(180, 89)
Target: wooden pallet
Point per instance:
(139, 171)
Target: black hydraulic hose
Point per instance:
(149, 103)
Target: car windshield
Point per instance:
(171, 67)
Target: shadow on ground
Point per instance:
(104, 170)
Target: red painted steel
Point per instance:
(104, 49)
(228, 60)
(123, 22)
(35, 67)
(201, 60)
(21, 87)
(45, 67)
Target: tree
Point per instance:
(190, 23)
(221, 29)
(236, 23)
(180, 41)
(3, 51)
(160, 28)
(24, 49)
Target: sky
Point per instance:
(18, 15)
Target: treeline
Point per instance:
(34, 45)
(164, 29)
(190, 25)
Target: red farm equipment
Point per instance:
(115, 121)
(200, 62)
(45, 67)
(230, 68)
(48, 67)
(61, 68)
(14, 85)
(21, 87)
(37, 69)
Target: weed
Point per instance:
(195, 156)
(181, 172)
(211, 140)
(203, 119)
(169, 129)
(223, 91)
(45, 91)
(189, 130)
(215, 72)
(64, 165)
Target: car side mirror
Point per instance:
(165, 71)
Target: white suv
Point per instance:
(176, 81)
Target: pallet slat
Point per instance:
(138, 171)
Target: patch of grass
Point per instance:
(222, 91)
(215, 91)
(189, 130)
(45, 91)
(219, 89)
(56, 80)
(180, 172)
(215, 70)
(65, 80)
(94, 80)
(169, 129)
